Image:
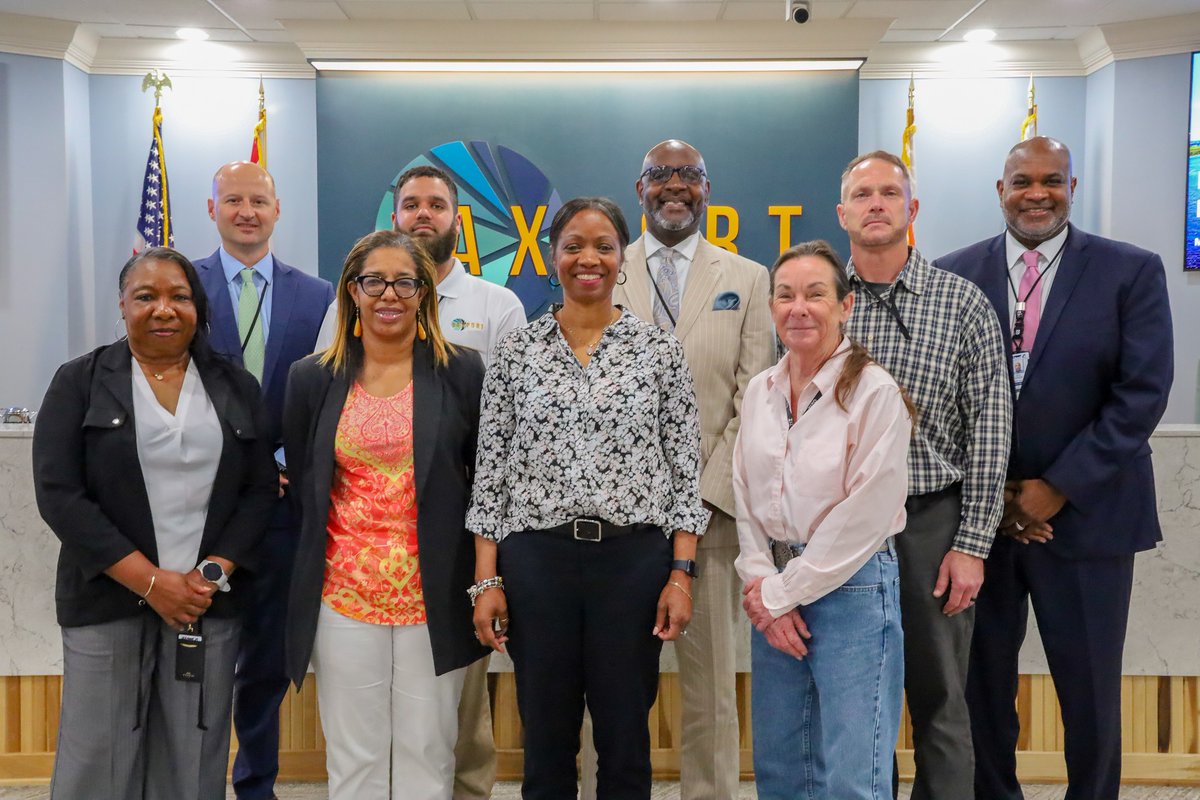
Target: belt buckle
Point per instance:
(587, 530)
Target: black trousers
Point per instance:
(581, 616)
(261, 681)
(1082, 609)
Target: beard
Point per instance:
(663, 223)
(440, 247)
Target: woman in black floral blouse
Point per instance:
(586, 500)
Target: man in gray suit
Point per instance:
(717, 305)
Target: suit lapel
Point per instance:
(427, 413)
(283, 300)
(324, 439)
(117, 377)
(703, 277)
(222, 323)
(636, 291)
(1070, 270)
(995, 285)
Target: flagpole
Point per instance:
(1029, 128)
(258, 148)
(907, 143)
(156, 203)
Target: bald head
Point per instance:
(672, 148)
(245, 208)
(673, 189)
(1036, 190)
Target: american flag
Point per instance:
(154, 215)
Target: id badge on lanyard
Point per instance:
(1020, 363)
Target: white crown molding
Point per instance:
(35, 36)
(81, 52)
(1153, 37)
(964, 60)
(1094, 52)
(569, 40)
(200, 59)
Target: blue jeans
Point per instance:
(825, 726)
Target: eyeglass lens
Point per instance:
(662, 174)
(375, 286)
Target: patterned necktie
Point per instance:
(668, 291)
(255, 350)
(1030, 291)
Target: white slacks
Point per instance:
(390, 724)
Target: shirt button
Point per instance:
(238, 431)
(116, 421)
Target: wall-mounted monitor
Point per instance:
(1191, 251)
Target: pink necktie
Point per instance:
(1030, 291)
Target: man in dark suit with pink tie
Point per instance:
(1089, 323)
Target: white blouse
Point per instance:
(835, 480)
(178, 455)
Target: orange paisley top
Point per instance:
(372, 571)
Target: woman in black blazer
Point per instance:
(380, 433)
(153, 467)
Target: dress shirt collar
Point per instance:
(1047, 250)
(232, 267)
(825, 381)
(914, 275)
(546, 326)
(686, 248)
(454, 284)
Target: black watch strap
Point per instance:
(686, 566)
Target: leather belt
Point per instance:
(783, 552)
(586, 529)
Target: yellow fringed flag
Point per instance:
(258, 150)
(1029, 126)
(906, 145)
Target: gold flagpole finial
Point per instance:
(912, 90)
(159, 81)
(262, 96)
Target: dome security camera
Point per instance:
(799, 11)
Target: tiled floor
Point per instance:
(662, 791)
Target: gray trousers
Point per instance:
(128, 730)
(936, 652)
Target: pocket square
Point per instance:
(727, 301)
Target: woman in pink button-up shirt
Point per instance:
(820, 478)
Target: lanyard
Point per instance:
(791, 420)
(890, 305)
(1018, 331)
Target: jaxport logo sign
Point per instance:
(506, 204)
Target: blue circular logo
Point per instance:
(506, 204)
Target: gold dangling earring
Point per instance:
(357, 324)
(421, 328)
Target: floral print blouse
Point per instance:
(617, 440)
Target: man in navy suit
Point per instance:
(265, 315)
(1089, 324)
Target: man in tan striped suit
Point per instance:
(716, 303)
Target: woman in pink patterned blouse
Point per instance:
(380, 433)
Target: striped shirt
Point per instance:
(952, 365)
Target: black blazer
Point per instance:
(445, 427)
(90, 490)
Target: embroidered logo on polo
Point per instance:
(507, 204)
(460, 324)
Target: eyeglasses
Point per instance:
(375, 286)
(662, 173)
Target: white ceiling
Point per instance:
(912, 20)
(277, 37)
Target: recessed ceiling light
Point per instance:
(191, 34)
(979, 35)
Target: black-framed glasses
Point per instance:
(375, 286)
(662, 173)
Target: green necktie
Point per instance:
(254, 350)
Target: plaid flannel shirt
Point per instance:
(953, 367)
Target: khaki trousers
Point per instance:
(709, 759)
(475, 752)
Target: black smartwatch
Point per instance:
(213, 572)
(686, 566)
